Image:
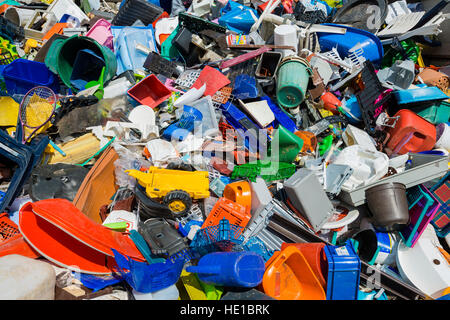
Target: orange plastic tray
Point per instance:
(288, 276)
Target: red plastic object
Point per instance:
(316, 258)
(331, 102)
(12, 241)
(149, 91)
(235, 213)
(65, 216)
(413, 132)
(214, 79)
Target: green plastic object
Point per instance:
(168, 50)
(292, 81)
(325, 145)
(436, 113)
(391, 55)
(117, 226)
(268, 170)
(100, 90)
(212, 292)
(289, 145)
(62, 53)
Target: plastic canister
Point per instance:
(443, 136)
(377, 247)
(286, 35)
(292, 81)
(411, 133)
(169, 293)
(234, 269)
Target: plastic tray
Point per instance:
(424, 167)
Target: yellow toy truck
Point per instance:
(175, 188)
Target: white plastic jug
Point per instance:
(23, 278)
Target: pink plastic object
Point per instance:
(243, 57)
(150, 91)
(101, 32)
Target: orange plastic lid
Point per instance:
(289, 277)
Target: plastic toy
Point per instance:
(176, 187)
(288, 276)
(268, 170)
(235, 269)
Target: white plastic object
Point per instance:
(424, 266)
(401, 24)
(116, 88)
(62, 7)
(444, 139)
(161, 150)
(353, 135)
(399, 161)
(116, 128)
(190, 96)
(169, 293)
(23, 278)
(142, 114)
(270, 7)
(286, 35)
(368, 166)
(201, 7)
(123, 216)
(334, 224)
(19, 16)
(260, 112)
(165, 26)
(395, 9)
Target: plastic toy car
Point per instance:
(175, 188)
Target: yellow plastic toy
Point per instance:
(176, 188)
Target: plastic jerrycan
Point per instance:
(411, 133)
(234, 269)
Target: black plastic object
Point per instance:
(367, 97)
(10, 30)
(368, 244)
(252, 294)
(357, 14)
(133, 10)
(389, 206)
(268, 64)
(70, 103)
(158, 65)
(316, 16)
(431, 13)
(161, 237)
(182, 41)
(59, 180)
(196, 24)
(148, 208)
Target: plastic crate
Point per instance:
(133, 10)
(234, 212)
(344, 267)
(441, 220)
(8, 229)
(22, 75)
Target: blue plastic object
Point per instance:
(146, 278)
(221, 237)
(238, 18)
(245, 87)
(98, 282)
(125, 41)
(372, 295)
(181, 129)
(344, 267)
(354, 115)
(232, 269)
(184, 230)
(2, 195)
(421, 94)
(371, 44)
(22, 75)
(256, 245)
(281, 118)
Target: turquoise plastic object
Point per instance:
(146, 278)
(184, 126)
(142, 246)
(421, 94)
(238, 18)
(230, 269)
(125, 41)
(370, 43)
(344, 267)
(352, 111)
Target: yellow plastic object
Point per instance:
(77, 150)
(325, 113)
(158, 182)
(30, 44)
(192, 286)
(9, 111)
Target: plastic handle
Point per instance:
(204, 269)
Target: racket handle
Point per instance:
(57, 148)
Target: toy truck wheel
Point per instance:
(178, 201)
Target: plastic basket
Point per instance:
(8, 229)
(256, 245)
(441, 220)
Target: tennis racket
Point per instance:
(36, 110)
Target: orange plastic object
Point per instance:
(12, 241)
(331, 102)
(60, 247)
(289, 277)
(234, 212)
(309, 140)
(411, 133)
(57, 28)
(3, 8)
(98, 186)
(316, 258)
(239, 192)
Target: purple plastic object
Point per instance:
(101, 32)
